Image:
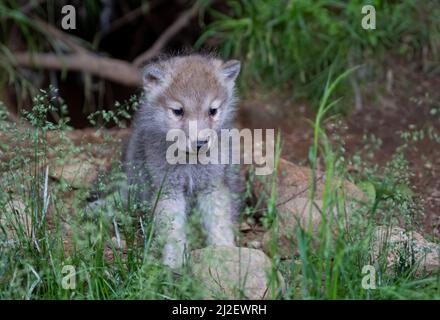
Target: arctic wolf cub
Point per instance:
(180, 90)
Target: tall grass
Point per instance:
(293, 44)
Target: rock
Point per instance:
(404, 249)
(295, 213)
(293, 201)
(76, 174)
(234, 273)
(294, 181)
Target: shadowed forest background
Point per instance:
(361, 106)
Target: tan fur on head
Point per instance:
(192, 88)
(190, 76)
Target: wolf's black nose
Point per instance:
(201, 143)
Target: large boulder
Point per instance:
(404, 249)
(235, 273)
(297, 213)
(296, 209)
(294, 181)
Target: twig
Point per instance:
(170, 32)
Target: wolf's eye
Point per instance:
(212, 111)
(178, 112)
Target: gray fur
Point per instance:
(190, 80)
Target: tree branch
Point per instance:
(83, 60)
(170, 32)
(115, 70)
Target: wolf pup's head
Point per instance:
(187, 91)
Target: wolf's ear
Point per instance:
(153, 75)
(230, 69)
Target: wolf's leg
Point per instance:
(215, 208)
(171, 219)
